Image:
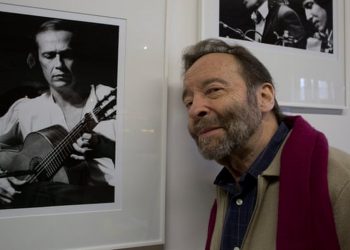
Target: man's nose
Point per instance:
(59, 62)
(308, 14)
(199, 107)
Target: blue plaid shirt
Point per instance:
(242, 196)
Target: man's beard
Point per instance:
(239, 123)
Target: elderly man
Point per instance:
(282, 187)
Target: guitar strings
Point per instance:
(54, 159)
(46, 163)
(65, 144)
(49, 159)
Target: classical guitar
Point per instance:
(44, 152)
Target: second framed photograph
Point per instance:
(300, 41)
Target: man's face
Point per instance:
(222, 117)
(56, 57)
(252, 4)
(315, 14)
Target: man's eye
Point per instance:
(49, 55)
(188, 103)
(212, 91)
(308, 5)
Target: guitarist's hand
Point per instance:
(93, 145)
(7, 190)
(84, 145)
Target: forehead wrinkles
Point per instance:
(213, 65)
(53, 38)
(218, 66)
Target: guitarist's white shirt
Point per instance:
(29, 115)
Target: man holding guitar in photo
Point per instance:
(67, 134)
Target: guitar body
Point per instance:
(45, 153)
(36, 146)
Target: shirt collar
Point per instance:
(261, 162)
(90, 103)
(264, 10)
(260, 13)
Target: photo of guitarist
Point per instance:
(85, 170)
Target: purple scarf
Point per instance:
(305, 216)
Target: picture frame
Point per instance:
(136, 217)
(302, 77)
(347, 49)
(28, 80)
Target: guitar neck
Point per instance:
(64, 149)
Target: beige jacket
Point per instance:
(261, 232)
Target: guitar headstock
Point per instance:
(106, 108)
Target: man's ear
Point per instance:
(31, 60)
(266, 97)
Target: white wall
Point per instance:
(189, 178)
(189, 189)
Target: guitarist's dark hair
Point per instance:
(53, 25)
(58, 25)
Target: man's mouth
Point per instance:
(209, 131)
(316, 23)
(61, 77)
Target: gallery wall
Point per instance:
(189, 177)
(189, 189)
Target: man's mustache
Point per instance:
(205, 123)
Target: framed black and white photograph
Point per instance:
(303, 24)
(301, 42)
(43, 57)
(81, 145)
